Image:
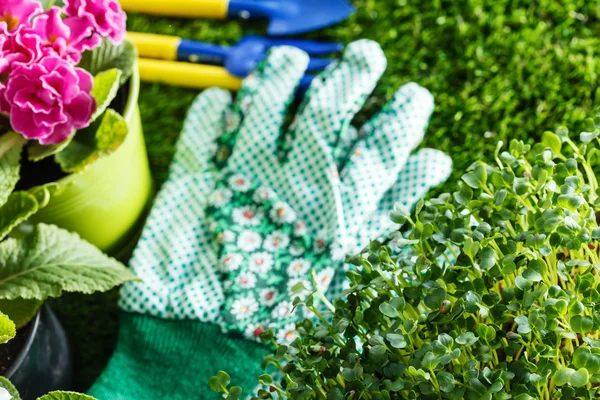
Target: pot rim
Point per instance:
(23, 353)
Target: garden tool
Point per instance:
(239, 60)
(253, 215)
(286, 17)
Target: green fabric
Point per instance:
(164, 359)
(326, 185)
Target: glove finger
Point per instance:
(202, 127)
(424, 170)
(388, 139)
(261, 108)
(340, 92)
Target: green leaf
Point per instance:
(223, 378)
(100, 139)
(435, 299)
(62, 395)
(5, 384)
(397, 340)
(108, 56)
(580, 378)
(8, 330)
(265, 379)
(51, 260)
(106, 86)
(11, 145)
(446, 381)
(215, 385)
(430, 361)
(37, 152)
(234, 393)
(467, 339)
(476, 179)
(581, 324)
(488, 258)
(18, 208)
(389, 310)
(549, 139)
(20, 311)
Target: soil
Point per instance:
(46, 170)
(10, 350)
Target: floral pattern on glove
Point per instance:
(266, 258)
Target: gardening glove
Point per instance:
(272, 219)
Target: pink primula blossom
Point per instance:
(58, 38)
(105, 17)
(16, 13)
(48, 100)
(23, 47)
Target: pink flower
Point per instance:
(104, 17)
(58, 38)
(23, 47)
(48, 100)
(16, 13)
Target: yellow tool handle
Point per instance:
(151, 45)
(179, 8)
(196, 76)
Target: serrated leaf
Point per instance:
(8, 330)
(62, 395)
(20, 311)
(51, 260)
(106, 86)
(9, 387)
(37, 152)
(108, 56)
(11, 145)
(100, 139)
(18, 208)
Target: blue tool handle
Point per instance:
(200, 52)
(252, 8)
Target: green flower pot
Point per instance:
(104, 203)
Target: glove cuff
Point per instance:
(169, 359)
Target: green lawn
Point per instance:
(498, 70)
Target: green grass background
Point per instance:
(498, 70)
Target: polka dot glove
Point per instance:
(337, 182)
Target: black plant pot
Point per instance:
(44, 363)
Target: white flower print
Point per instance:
(287, 334)
(239, 183)
(261, 262)
(253, 331)
(232, 121)
(249, 241)
(246, 280)
(230, 262)
(302, 292)
(338, 253)
(220, 197)
(281, 213)
(268, 296)
(244, 308)
(247, 216)
(263, 194)
(226, 237)
(283, 309)
(299, 228)
(296, 250)
(324, 278)
(298, 267)
(276, 240)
